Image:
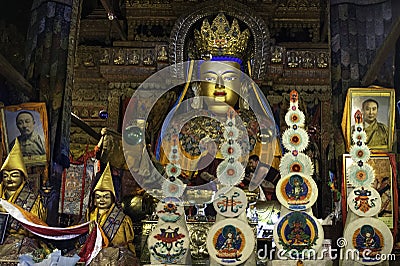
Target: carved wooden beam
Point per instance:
(382, 54)
(108, 7)
(15, 78)
(85, 127)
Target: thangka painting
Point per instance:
(76, 188)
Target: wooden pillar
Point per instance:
(51, 43)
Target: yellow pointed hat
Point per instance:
(105, 182)
(14, 160)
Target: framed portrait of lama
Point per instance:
(27, 122)
(377, 106)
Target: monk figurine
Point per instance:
(116, 226)
(15, 189)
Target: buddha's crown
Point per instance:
(221, 39)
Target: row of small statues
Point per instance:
(127, 57)
(117, 227)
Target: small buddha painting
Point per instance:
(297, 231)
(296, 189)
(229, 242)
(368, 238)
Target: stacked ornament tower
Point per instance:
(168, 242)
(298, 235)
(231, 240)
(365, 236)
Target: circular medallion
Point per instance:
(173, 188)
(230, 173)
(297, 191)
(360, 174)
(364, 201)
(295, 139)
(371, 237)
(230, 242)
(230, 203)
(169, 209)
(168, 243)
(298, 235)
(295, 117)
(300, 163)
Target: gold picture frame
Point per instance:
(385, 183)
(35, 154)
(382, 121)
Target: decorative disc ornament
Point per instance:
(295, 139)
(297, 191)
(360, 153)
(173, 188)
(230, 241)
(297, 233)
(173, 170)
(230, 174)
(169, 209)
(364, 201)
(359, 137)
(230, 203)
(232, 150)
(299, 164)
(295, 117)
(371, 237)
(360, 175)
(168, 243)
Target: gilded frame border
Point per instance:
(386, 113)
(38, 110)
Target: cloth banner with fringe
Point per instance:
(89, 251)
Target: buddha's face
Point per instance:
(103, 199)
(12, 180)
(218, 81)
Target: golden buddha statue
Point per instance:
(15, 189)
(116, 226)
(225, 89)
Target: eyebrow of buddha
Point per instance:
(223, 73)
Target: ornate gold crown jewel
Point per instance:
(221, 39)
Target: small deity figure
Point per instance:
(119, 58)
(88, 60)
(229, 243)
(162, 54)
(133, 57)
(296, 188)
(276, 55)
(105, 60)
(293, 59)
(322, 60)
(149, 58)
(367, 239)
(298, 235)
(308, 60)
